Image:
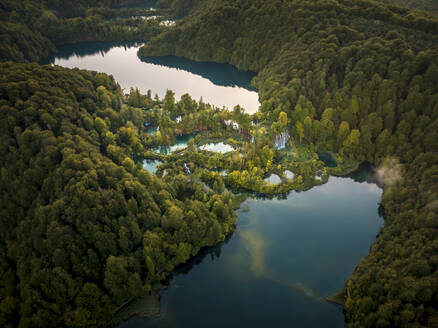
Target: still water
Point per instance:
(217, 84)
(180, 143)
(284, 259)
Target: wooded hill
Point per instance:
(83, 228)
(427, 5)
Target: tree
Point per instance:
(352, 144)
(300, 130)
(343, 132)
(169, 101)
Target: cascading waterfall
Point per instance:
(187, 168)
(281, 140)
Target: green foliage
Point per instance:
(29, 30)
(82, 227)
(428, 5)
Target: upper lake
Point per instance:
(217, 84)
(284, 259)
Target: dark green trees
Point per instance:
(83, 228)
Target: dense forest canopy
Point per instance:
(428, 5)
(84, 228)
(31, 30)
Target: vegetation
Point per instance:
(83, 228)
(428, 5)
(31, 30)
(358, 78)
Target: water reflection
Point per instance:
(217, 84)
(277, 269)
(328, 158)
(219, 74)
(366, 173)
(86, 49)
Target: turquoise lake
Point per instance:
(284, 259)
(221, 85)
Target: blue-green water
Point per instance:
(217, 84)
(328, 158)
(284, 259)
(180, 143)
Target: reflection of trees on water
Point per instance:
(213, 251)
(86, 49)
(365, 173)
(219, 74)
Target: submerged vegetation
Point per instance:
(84, 228)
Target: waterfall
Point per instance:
(281, 140)
(187, 168)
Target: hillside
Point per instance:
(427, 5)
(84, 228)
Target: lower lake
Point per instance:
(221, 85)
(277, 269)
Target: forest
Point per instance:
(84, 227)
(31, 30)
(427, 5)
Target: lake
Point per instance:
(284, 259)
(218, 84)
